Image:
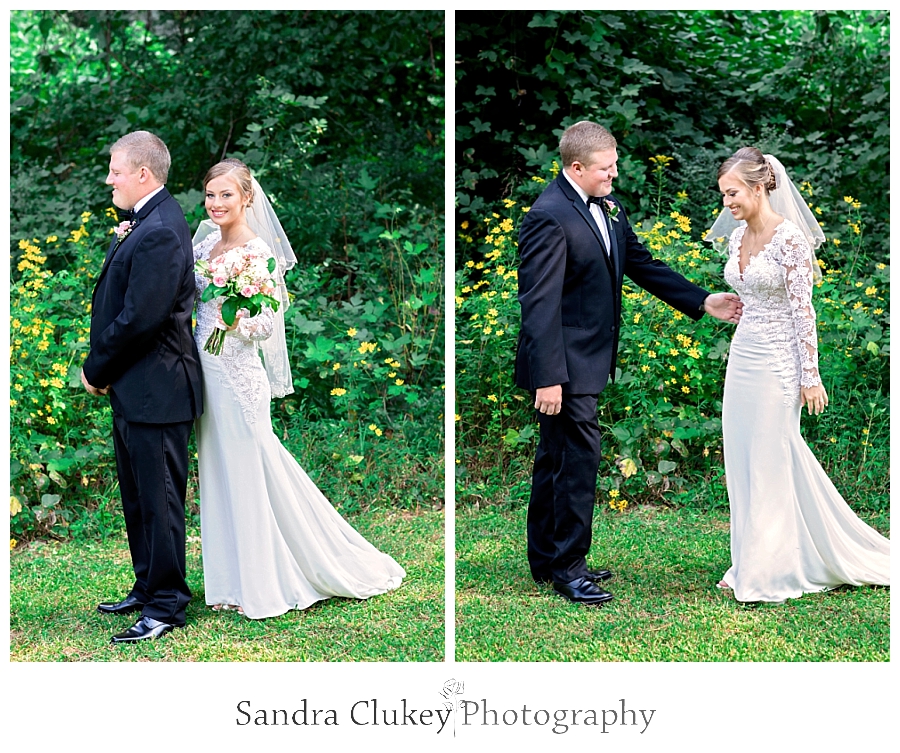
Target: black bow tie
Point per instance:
(124, 215)
(596, 200)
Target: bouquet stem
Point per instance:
(215, 342)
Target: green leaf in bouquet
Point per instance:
(229, 310)
(271, 264)
(210, 292)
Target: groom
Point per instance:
(575, 244)
(143, 356)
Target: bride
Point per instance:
(791, 531)
(271, 541)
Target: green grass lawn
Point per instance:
(666, 606)
(55, 587)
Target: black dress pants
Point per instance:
(152, 464)
(563, 490)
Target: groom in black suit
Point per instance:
(144, 357)
(575, 244)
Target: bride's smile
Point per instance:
(225, 204)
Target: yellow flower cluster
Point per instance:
(617, 501)
(683, 222)
(661, 161)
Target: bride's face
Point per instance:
(225, 204)
(738, 197)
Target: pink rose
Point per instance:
(219, 281)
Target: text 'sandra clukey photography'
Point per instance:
(454, 715)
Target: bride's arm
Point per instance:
(259, 327)
(798, 279)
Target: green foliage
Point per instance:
(660, 418)
(809, 86)
(61, 456)
(339, 114)
(308, 99)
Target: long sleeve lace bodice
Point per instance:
(776, 289)
(240, 358)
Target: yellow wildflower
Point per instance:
(338, 391)
(351, 332)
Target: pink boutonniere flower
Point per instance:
(122, 230)
(612, 211)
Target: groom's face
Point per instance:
(597, 177)
(129, 185)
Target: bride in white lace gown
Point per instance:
(271, 540)
(791, 531)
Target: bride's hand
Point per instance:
(814, 398)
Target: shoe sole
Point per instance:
(595, 603)
(139, 640)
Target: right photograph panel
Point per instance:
(672, 356)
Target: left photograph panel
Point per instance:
(227, 316)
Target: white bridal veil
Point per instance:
(785, 200)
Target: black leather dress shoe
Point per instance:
(597, 576)
(128, 605)
(582, 591)
(144, 629)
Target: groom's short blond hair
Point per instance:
(580, 141)
(142, 148)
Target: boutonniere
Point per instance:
(612, 210)
(122, 230)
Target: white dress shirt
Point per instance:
(594, 209)
(146, 199)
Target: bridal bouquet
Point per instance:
(244, 277)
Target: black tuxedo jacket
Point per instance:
(141, 340)
(570, 291)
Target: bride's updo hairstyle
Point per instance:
(237, 170)
(749, 164)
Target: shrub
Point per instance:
(661, 416)
(61, 457)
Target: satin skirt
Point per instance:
(791, 531)
(271, 540)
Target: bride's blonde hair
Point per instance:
(751, 167)
(241, 174)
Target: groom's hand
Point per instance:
(548, 400)
(90, 388)
(725, 306)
